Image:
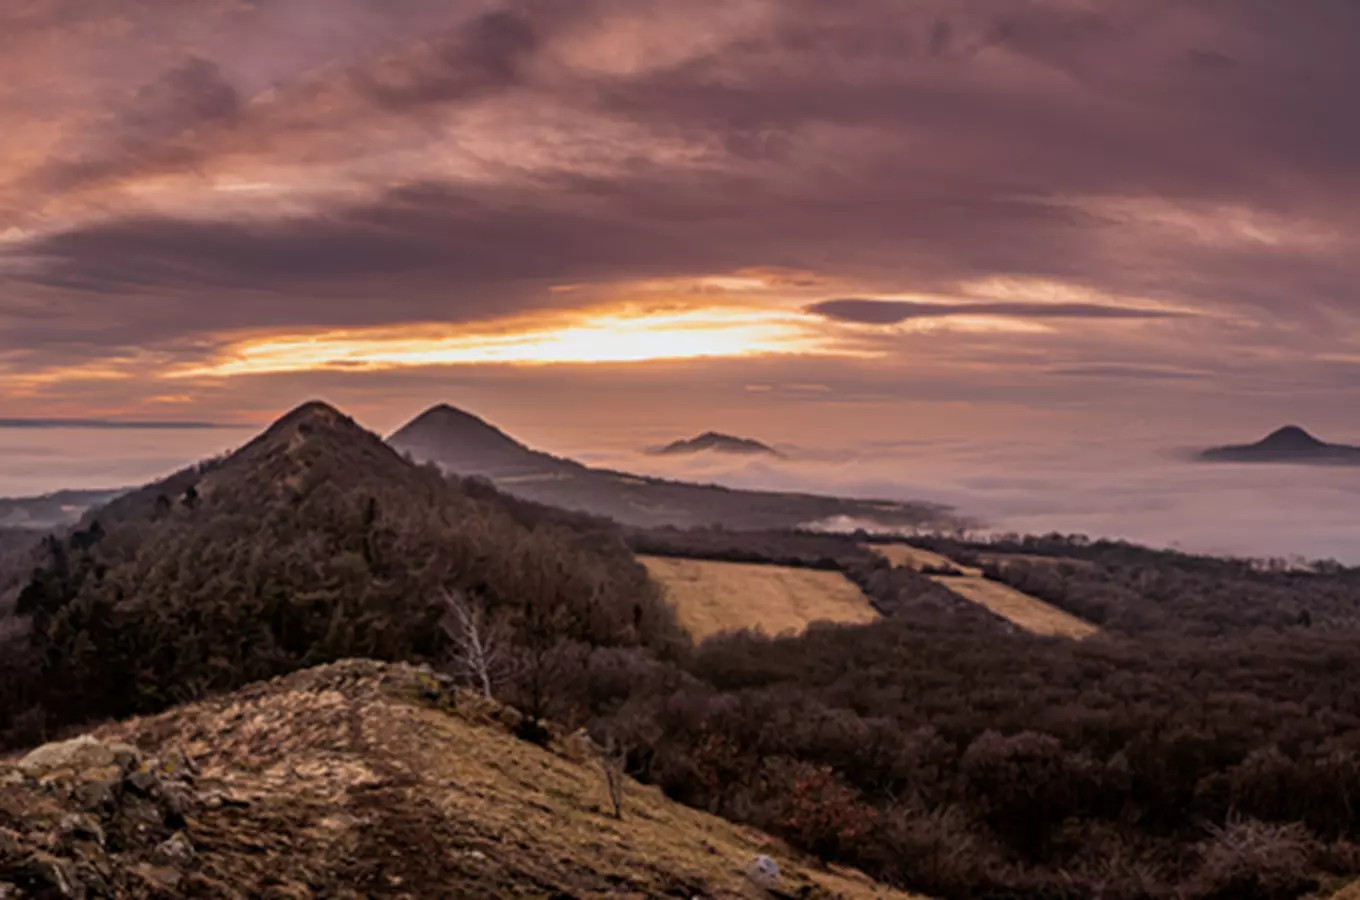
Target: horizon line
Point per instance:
(113, 424)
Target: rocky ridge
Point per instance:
(361, 779)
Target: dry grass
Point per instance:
(527, 796)
(918, 559)
(1028, 612)
(368, 776)
(711, 597)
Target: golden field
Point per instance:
(918, 559)
(711, 597)
(1029, 613)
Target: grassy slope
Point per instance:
(1030, 613)
(361, 774)
(712, 596)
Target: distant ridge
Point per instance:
(463, 444)
(716, 442)
(55, 510)
(1290, 444)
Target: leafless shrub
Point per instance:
(613, 761)
(1252, 859)
(481, 647)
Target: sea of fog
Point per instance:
(1140, 490)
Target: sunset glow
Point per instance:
(607, 338)
(1049, 203)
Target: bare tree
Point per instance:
(613, 760)
(481, 650)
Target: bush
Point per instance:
(1251, 860)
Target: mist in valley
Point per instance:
(1143, 490)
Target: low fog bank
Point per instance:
(40, 461)
(1145, 492)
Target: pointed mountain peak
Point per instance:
(1292, 435)
(447, 416)
(312, 410)
(446, 423)
(466, 444)
(319, 426)
(1288, 444)
(311, 418)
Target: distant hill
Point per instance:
(1288, 445)
(52, 510)
(715, 442)
(314, 541)
(463, 444)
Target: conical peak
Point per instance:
(318, 410)
(446, 414)
(312, 416)
(1291, 435)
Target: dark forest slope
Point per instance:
(313, 542)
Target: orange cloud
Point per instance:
(626, 336)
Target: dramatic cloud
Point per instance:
(891, 312)
(1043, 199)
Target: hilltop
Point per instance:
(362, 779)
(465, 445)
(1291, 444)
(716, 442)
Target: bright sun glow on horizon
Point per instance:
(619, 337)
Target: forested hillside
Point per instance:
(314, 542)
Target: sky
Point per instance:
(869, 219)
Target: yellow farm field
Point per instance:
(1031, 614)
(918, 559)
(711, 596)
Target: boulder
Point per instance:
(78, 755)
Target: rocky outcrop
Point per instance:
(91, 818)
(359, 779)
